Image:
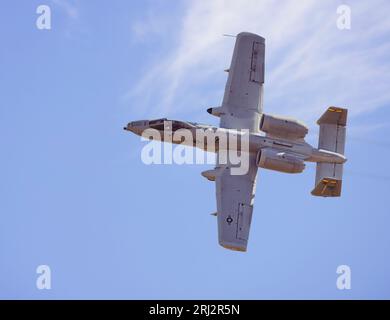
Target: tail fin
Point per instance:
(332, 137)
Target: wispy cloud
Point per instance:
(71, 21)
(310, 64)
(69, 7)
(151, 25)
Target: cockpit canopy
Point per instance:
(173, 125)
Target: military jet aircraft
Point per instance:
(275, 143)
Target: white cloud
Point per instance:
(310, 64)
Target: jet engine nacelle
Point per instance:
(279, 161)
(283, 127)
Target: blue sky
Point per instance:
(76, 196)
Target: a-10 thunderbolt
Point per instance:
(274, 142)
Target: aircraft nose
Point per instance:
(129, 127)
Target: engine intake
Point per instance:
(279, 161)
(283, 127)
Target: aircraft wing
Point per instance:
(243, 99)
(235, 196)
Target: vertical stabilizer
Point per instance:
(332, 137)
